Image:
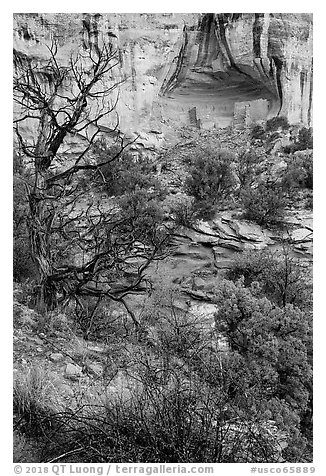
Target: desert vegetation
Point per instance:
(116, 363)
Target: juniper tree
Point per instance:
(79, 246)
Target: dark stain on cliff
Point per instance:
(91, 31)
(204, 37)
(26, 34)
(20, 59)
(222, 21)
(257, 30)
(133, 67)
(263, 67)
(310, 95)
(303, 78)
(230, 17)
(171, 82)
(278, 66)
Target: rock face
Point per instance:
(207, 70)
(214, 245)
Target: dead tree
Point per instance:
(78, 249)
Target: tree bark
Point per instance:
(39, 229)
(40, 221)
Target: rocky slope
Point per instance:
(206, 69)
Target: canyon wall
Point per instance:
(198, 69)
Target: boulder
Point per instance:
(307, 221)
(66, 391)
(204, 310)
(96, 369)
(199, 284)
(299, 220)
(206, 229)
(304, 249)
(204, 313)
(247, 246)
(301, 235)
(56, 357)
(36, 340)
(223, 229)
(223, 344)
(73, 372)
(248, 231)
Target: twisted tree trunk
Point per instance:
(40, 222)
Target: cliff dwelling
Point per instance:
(205, 87)
(220, 103)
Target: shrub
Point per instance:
(309, 203)
(264, 204)
(274, 343)
(23, 316)
(307, 164)
(205, 210)
(25, 450)
(185, 402)
(257, 132)
(178, 332)
(294, 177)
(289, 149)
(34, 401)
(305, 139)
(273, 137)
(281, 277)
(299, 173)
(303, 142)
(246, 166)
(124, 174)
(211, 178)
(142, 215)
(184, 212)
(23, 292)
(98, 321)
(277, 122)
(176, 422)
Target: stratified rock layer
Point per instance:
(206, 70)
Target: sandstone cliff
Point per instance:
(207, 70)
